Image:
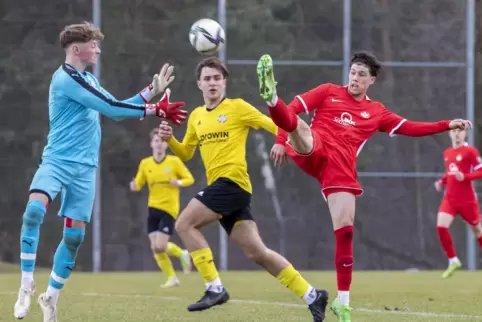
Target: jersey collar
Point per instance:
(212, 109)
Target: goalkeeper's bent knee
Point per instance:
(74, 237)
(34, 213)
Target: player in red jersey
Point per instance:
(344, 119)
(463, 164)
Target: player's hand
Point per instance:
(159, 84)
(438, 185)
(162, 80)
(278, 155)
(458, 175)
(133, 186)
(167, 110)
(460, 124)
(175, 183)
(165, 131)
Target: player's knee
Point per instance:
(477, 230)
(345, 233)
(158, 247)
(74, 237)
(34, 213)
(181, 226)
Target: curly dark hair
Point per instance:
(367, 59)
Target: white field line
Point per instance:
(283, 304)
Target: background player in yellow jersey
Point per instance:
(220, 128)
(165, 175)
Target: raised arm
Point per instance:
(91, 96)
(253, 118)
(394, 125)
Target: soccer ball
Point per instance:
(207, 36)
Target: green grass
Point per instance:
(256, 296)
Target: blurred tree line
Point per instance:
(396, 216)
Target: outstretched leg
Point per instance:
(299, 132)
(246, 235)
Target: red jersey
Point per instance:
(348, 124)
(467, 160)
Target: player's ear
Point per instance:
(199, 84)
(75, 49)
(372, 80)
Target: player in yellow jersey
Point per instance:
(220, 128)
(165, 175)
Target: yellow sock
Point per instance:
(165, 264)
(174, 250)
(203, 260)
(292, 279)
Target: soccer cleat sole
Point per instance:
(264, 71)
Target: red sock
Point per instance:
(283, 116)
(344, 257)
(446, 241)
(480, 241)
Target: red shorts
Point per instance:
(334, 170)
(468, 211)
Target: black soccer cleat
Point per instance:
(209, 300)
(318, 307)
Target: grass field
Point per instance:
(255, 296)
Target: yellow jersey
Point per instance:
(221, 134)
(163, 195)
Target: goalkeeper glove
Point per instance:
(159, 83)
(167, 110)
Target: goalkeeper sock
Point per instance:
(64, 261)
(283, 116)
(165, 264)
(344, 262)
(203, 260)
(293, 280)
(173, 250)
(446, 241)
(29, 237)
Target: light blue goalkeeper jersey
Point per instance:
(75, 101)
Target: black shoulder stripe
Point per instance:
(76, 77)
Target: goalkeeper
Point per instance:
(70, 158)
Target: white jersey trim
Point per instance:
(392, 132)
(304, 104)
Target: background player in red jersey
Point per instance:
(344, 119)
(462, 165)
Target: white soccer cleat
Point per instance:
(171, 282)
(22, 306)
(186, 262)
(49, 311)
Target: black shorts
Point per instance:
(159, 220)
(229, 200)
